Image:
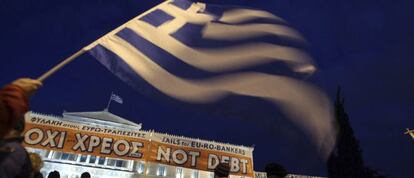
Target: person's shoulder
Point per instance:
(13, 159)
(16, 152)
(16, 144)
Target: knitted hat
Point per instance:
(273, 169)
(222, 170)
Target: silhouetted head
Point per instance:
(85, 175)
(54, 174)
(222, 170)
(275, 170)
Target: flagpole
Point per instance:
(60, 65)
(109, 102)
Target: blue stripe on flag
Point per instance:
(156, 18)
(190, 34)
(123, 71)
(183, 70)
(218, 10)
(255, 21)
(161, 57)
(183, 4)
(116, 65)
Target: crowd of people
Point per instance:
(56, 174)
(16, 162)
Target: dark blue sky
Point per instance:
(364, 46)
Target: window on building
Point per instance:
(72, 157)
(92, 159)
(83, 158)
(57, 155)
(161, 171)
(64, 156)
(118, 163)
(179, 172)
(121, 163)
(101, 160)
(140, 168)
(195, 174)
(68, 157)
(110, 162)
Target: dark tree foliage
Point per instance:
(346, 159)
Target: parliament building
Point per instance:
(107, 146)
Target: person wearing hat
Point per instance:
(274, 170)
(222, 170)
(14, 159)
(14, 102)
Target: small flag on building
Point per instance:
(116, 98)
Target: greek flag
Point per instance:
(200, 54)
(116, 98)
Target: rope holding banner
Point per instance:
(60, 65)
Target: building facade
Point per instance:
(106, 145)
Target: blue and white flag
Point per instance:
(201, 54)
(116, 98)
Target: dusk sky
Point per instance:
(365, 46)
